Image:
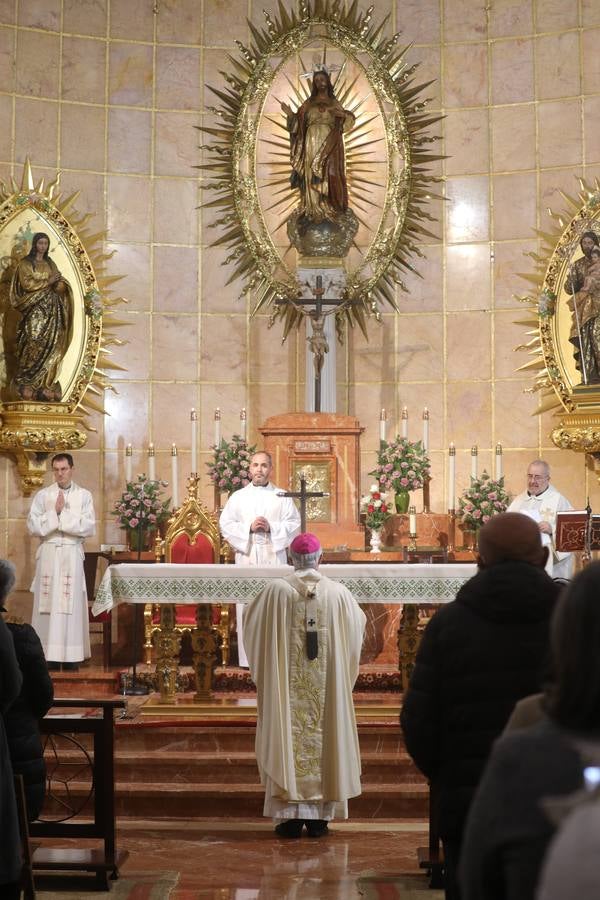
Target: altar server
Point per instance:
(303, 637)
(62, 516)
(259, 525)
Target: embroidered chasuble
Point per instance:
(543, 508)
(306, 738)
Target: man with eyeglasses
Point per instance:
(541, 502)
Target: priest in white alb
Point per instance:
(259, 525)
(62, 516)
(541, 502)
(303, 637)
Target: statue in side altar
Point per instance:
(322, 224)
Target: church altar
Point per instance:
(171, 583)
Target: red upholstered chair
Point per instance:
(192, 536)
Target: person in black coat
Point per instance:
(535, 772)
(35, 699)
(10, 843)
(478, 656)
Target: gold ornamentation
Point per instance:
(231, 160)
(31, 428)
(318, 478)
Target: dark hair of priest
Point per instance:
(573, 698)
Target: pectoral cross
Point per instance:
(302, 495)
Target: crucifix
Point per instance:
(317, 341)
(302, 495)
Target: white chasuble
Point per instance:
(543, 508)
(258, 549)
(306, 738)
(60, 614)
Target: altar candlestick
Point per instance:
(194, 421)
(412, 519)
(382, 418)
(174, 477)
(425, 429)
(217, 427)
(404, 429)
(474, 452)
(243, 422)
(498, 471)
(151, 463)
(451, 476)
(128, 462)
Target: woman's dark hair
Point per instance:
(313, 93)
(592, 236)
(573, 698)
(7, 579)
(32, 253)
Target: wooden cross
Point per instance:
(318, 343)
(302, 495)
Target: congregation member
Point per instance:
(62, 516)
(11, 682)
(479, 654)
(541, 502)
(304, 635)
(259, 525)
(35, 699)
(533, 771)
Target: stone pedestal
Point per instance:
(326, 447)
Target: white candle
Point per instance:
(412, 519)
(474, 461)
(194, 421)
(404, 429)
(426, 429)
(151, 463)
(128, 462)
(217, 426)
(243, 423)
(382, 418)
(451, 475)
(174, 477)
(498, 472)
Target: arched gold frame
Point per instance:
(31, 430)
(556, 378)
(232, 159)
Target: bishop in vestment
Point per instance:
(62, 516)
(303, 636)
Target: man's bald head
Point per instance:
(511, 537)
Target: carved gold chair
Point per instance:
(192, 536)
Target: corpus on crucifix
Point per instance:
(303, 496)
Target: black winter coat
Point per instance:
(10, 841)
(22, 718)
(478, 656)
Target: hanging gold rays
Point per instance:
(247, 162)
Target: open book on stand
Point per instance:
(570, 530)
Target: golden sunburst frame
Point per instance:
(239, 148)
(32, 427)
(552, 325)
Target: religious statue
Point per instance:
(583, 283)
(44, 299)
(317, 341)
(317, 158)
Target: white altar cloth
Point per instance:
(176, 583)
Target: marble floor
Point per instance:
(204, 860)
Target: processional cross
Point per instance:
(318, 340)
(302, 495)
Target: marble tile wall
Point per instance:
(109, 92)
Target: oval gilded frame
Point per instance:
(231, 169)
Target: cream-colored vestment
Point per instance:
(543, 508)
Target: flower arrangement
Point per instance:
(230, 469)
(376, 507)
(483, 499)
(140, 505)
(402, 465)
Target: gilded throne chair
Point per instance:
(192, 536)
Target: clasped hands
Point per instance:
(60, 503)
(260, 524)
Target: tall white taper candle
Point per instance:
(174, 477)
(498, 470)
(426, 429)
(128, 462)
(474, 460)
(151, 462)
(404, 425)
(382, 418)
(243, 423)
(217, 426)
(451, 476)
(194, 421)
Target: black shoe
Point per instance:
(290, 829)
(316, 827)
(53, 666)
(70, 667)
